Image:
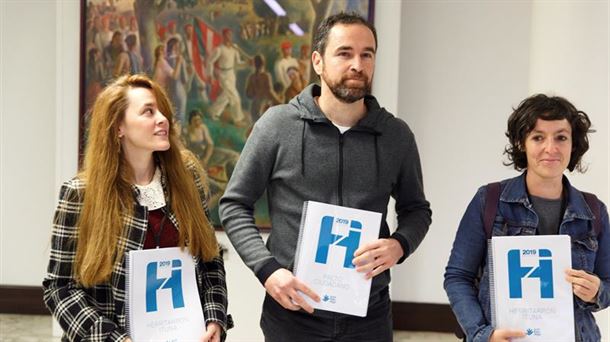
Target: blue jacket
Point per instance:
(591, 253)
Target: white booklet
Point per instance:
(162, 298)
(528, 287)
(328, 238)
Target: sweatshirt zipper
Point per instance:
(341, 169)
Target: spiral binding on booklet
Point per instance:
(328, 237)
(526, 291)
(162, 300)
(129, 323)
(300, 238)
(492, 287)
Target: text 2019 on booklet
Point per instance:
(328, 238)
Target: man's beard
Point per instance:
(349, 94)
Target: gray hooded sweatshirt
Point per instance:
(296, 154)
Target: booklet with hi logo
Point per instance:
(528, 288)
(162, 297)
(328, 237)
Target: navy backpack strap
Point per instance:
(593, 204)
(491, 207)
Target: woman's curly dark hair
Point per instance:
(523, 120)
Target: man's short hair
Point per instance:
(321, 37)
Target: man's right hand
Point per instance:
(282, 285)
(505, 335)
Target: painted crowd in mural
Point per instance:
(222, 63)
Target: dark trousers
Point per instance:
(280, 325)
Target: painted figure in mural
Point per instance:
(138, 189)
(122, 25)
(91, 35)
(305, 64)
(282, 65)
(163, 73)
(177, 85)
(96, 75)
(226, 57)
(259, 88)
(133, 29)
(296, 83)
(197, 86)
(103, 34)
(171, 32)
(116, 58)
(135, 60)
(198, 138)
(332, 143)
(547, 135)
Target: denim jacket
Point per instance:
(516, 216)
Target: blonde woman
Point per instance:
(137, 190)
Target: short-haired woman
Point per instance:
(547, 135)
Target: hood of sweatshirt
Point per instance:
(373, 121)
(362, 168)
(309, 112)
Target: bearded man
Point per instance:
(332, 143)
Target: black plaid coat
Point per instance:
(98, 313)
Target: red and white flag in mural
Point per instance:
(205, 40)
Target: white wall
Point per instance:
(386, 78)
(464, 63)
(571, 59)
(451, 69)
(28, 107)
(246, 295)
(66, 118)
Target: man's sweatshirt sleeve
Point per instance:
(247, 184)
(412, 208)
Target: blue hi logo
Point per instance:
(516, 272)
(327, 238)
(174, 283)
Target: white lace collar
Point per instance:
(151, 195)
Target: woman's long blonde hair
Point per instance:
(109, 195)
